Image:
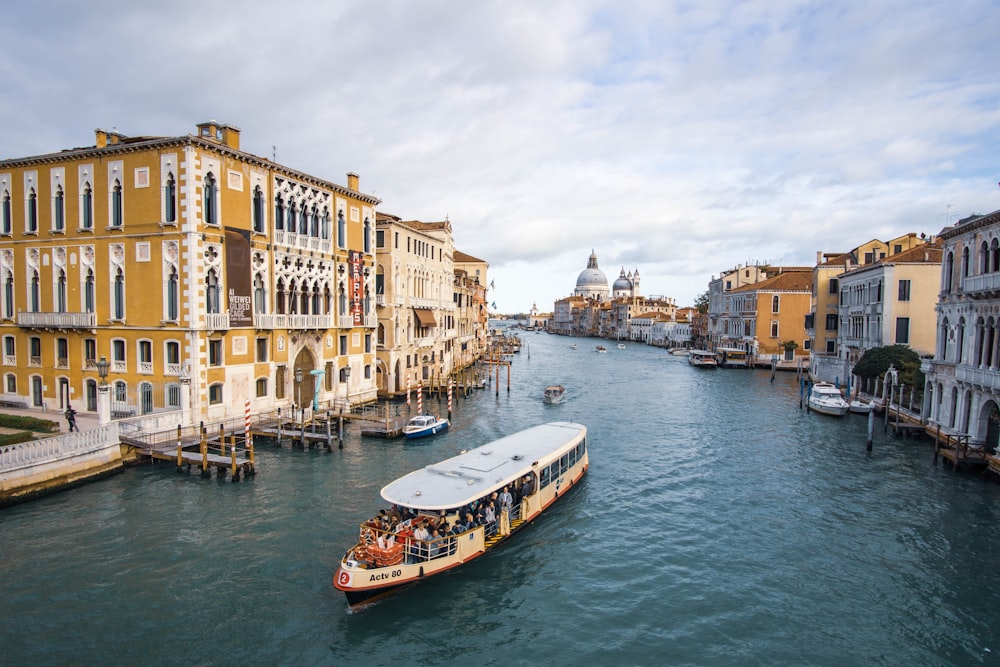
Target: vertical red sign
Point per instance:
(356, 287)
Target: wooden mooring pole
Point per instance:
(179, 450)
(871, 427)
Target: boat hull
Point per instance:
(426, 432)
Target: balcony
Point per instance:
(216, 321)
(983, 286)
(380, 300)
(345, 321)
(9, 360)
(119, 366)
(57, 320)
(146, 367)
(34, 361)
(987, 378)
(283, 321)
(173, 369)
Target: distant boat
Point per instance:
(826, 399)
(422, 426)
(679, 352)
(621, 346)
(554, 393)
(602, 349)
(859, 407)
(573, 346)
(702, 359)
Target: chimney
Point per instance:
(102, 138)
(352, 181)
(819, 256)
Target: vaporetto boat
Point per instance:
(535, 466)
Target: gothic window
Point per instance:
(87, 205)
(8, 296)
(61, 292)
(368, 235)
(34, 298)
(279, 306)
(341, 230)
(212, 292)
(59, 214)
(258, 210)
(32, 212)
(119, 298)
(279, 214)
(116, 204)
(210, 195)
(88, 292)
(291, 216)
(259, 295)
(170, 199)
(6, 223)
(173, 296)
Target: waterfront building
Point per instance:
(669, 332)
(717, 289)
(566, 315)
(962, 380)
(433, 317)
(536, 319)
(592, 283)
(764, 318)
(823, 322)
(889, 302)
(261, 278)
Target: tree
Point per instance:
(701, 302)
(876, 361)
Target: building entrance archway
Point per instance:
(303, 391)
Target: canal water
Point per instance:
(719, 524)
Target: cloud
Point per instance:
(675, 138)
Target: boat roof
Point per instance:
(708, 352)
(473, 474)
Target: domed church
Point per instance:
(592, 283)
(627, 286)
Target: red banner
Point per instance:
(356, 285)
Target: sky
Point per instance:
(679, 139)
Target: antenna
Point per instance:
(947, 215)
(274, 153)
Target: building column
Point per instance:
(104, 404)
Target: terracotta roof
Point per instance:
(789, 281)
(463, 257)
(930, 253)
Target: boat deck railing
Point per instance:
(384, 548)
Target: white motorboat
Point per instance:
(425, 425)
(554, 393)
(826, 399)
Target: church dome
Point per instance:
(592, 276)
(592, 282)
(623, 284)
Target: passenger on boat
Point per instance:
(437, 544)
(490, 516)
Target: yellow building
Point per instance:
(765, 315)
(185, 262)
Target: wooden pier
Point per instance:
(231, 453)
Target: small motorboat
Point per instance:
(621, 346)
(554, 393)
(859, 407)
(573, 346)
(601, 349)
(826, 399)
(422, 426)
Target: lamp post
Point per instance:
(298, 388)
(103, 395)
(347, 385)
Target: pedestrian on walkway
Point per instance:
(71, 419)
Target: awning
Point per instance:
(425, 316)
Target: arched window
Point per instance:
(258, 210)
(325, 230)
(88, 292)
(316, 300)
(121, 391)
(965, 262)
(259, 295)
(34, 304)
(116, 204)
(949, 267)
(994, 256)
(61, 292)
(6, 224)
(212, 292)
(368, 302)
(343, 301)
(59, 214)
(119, 305)
(8, 295)
(291, 216)
(984, 258)
(279, 306)
(173, 296)
(303, 220)
(293, 302)
(210, 199)
(304, 298)
(170, 199)
(368, 235)
(960, 342)
(279, 214)
(314, 222)
(32, 211)
(341, 230)
(87, 208)
(327, 299)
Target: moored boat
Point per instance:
(554, 393)
(512, 480)
(826, 399)
(621, 346)
(702, 359)
(424, 425)
(733, 357)
(857, 406)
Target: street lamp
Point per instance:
(298, 386)
(102, 370)
(347, 381)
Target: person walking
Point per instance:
(71, 419)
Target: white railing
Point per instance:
(345, 321)
(371, 321)
(37, 452)
(380, 300)
(173, 369)
(279, 237)
(119, 366)
(9, 360)
(981, 377)
(216, 321)
(146, 367)
(986, 281)
(58, 320)
(284, 321)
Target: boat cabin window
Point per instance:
(564, 463)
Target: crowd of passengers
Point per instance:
(425, 536)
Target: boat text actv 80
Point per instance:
(448, 513)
